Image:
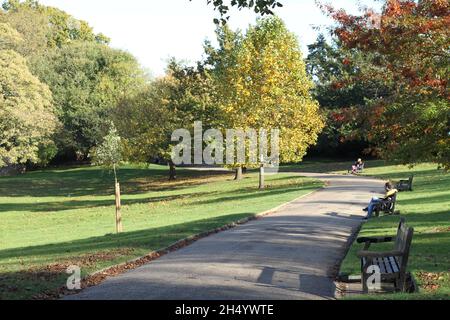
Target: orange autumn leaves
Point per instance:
(408, 42)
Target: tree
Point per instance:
(148, 119)
(146, 122)
(344, 101)
(263, 7)
(10, 38)
(87, 80)
(408, 41)
(262, 83)
(27, 121)
(109, 152)
(86, 77)
(33, 27)
(46, 27)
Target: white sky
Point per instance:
(154, 30)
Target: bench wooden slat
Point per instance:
(395, 266)
(387, 265)
(380, 263)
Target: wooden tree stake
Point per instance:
(119, 228)
(261, 177)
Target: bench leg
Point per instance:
(397, 285)
(364, 283)
(402, 283)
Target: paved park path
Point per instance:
(291, 254)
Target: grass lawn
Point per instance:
(427, 209)
(55, 218)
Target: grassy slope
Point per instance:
(427, 209)
(55, 218)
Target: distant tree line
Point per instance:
(379, 85)
(59, 84)
(63, 86)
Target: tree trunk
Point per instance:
(172, 171)
(261, 178)
(238, 174)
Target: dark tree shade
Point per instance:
(263, 7)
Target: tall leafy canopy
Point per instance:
(345, 100)
(27, 121)
(44, 26)
(87, 77)
(87, 80)
(146, 120)
(262, 83)
(408, 42)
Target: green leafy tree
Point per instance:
(27, 121)
(86, 77)
(32, 25)
(9, 37)
(109, 152)
(147, 120)
(87, 80)
(46, 27)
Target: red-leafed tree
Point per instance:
(408, 42)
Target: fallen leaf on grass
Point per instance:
(54, 271)
(430, 281)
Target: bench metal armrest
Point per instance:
(379, 254)
(375, 239)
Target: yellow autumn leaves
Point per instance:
(265, 86)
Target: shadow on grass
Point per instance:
(243, 194)
(58, 206)
(32, 268)
(403, 175)
(94, 181)
(234, 195)
(254, 193)
(415, 220)
(442, 198)
(151, 239)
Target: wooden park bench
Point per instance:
(387, 206)
(405, 185)
(392, 264)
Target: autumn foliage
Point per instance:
(409, 44)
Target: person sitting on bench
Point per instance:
(390, 191)
(357, 166)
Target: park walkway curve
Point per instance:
(293, 253)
